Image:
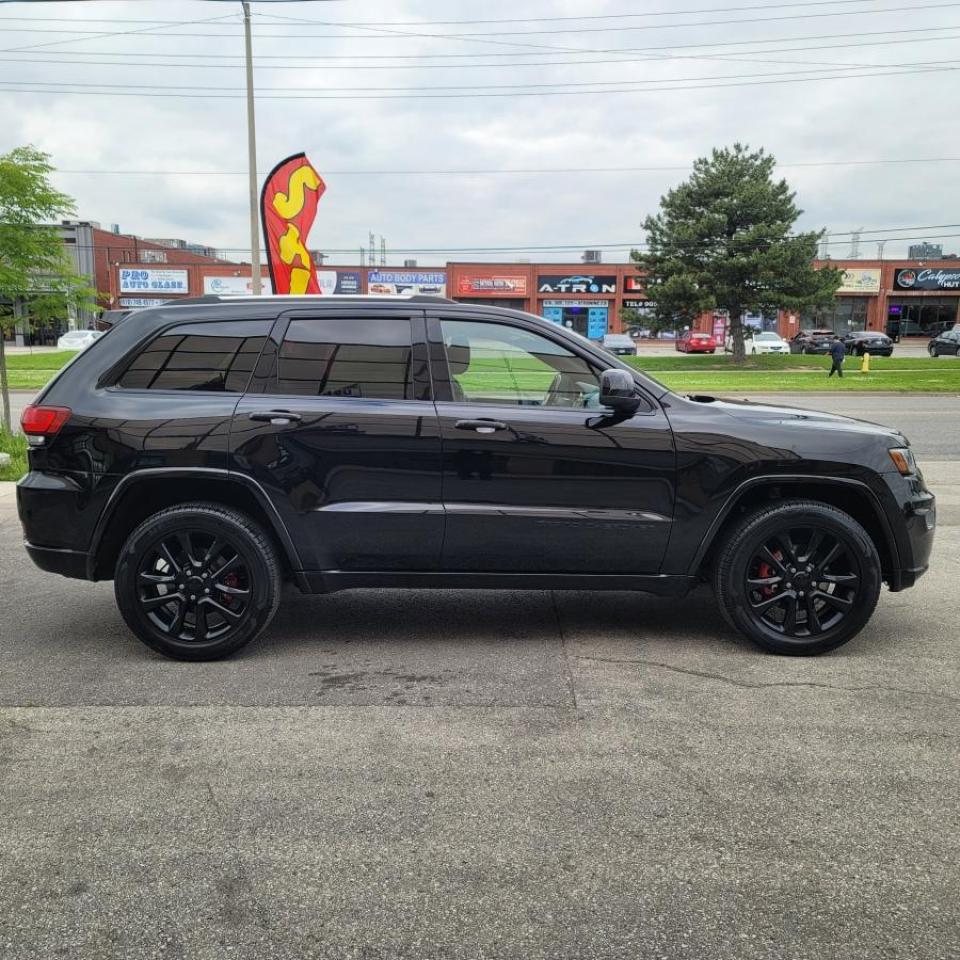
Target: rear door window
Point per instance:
(369, 358)
(208, 357)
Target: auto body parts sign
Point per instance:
(288, 206)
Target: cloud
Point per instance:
(894, 116)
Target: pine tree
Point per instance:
(722, 241)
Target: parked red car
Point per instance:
(692, 342)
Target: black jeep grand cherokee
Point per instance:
(202, 453)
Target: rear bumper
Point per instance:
(68, 563)
(55, 511)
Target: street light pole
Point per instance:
(252, 156)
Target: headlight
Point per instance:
(903, 460)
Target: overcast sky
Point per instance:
(902, 107)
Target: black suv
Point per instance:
(201, 453)
(812, 341)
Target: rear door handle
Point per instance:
(481, 426)
(277, 417)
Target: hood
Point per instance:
(766, 413)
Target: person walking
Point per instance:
(837, 353)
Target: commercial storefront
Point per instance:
(923, 301)
(901, 298)
(566, 294)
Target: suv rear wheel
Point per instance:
(798, 578)
(197, 581)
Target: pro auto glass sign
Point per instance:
(578, 284)
(160, 281)
(937, 279)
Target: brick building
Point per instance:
(901, 297)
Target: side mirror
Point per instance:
(618, 390)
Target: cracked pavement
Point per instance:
(470, 774)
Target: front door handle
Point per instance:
(277, 417)
(481, 426)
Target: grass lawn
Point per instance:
(16, 445)
(30, 371)
(795, 373)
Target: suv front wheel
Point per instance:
(197, 581)
(798, 578)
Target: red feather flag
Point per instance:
(288, 206)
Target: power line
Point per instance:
(425, 23)
(750, 57)
(113, 33)
(593, 245)
(620, 28)
(932, 64)
(377, 32)
(485, 95)
(353, 58)
(490, 172)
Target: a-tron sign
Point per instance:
(577, 284)
(915, 279)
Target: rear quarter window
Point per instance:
(207, 357)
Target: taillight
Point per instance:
(38, 423)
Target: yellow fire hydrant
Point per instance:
(865, 363)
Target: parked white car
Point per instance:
(767, 342)
(78, 339)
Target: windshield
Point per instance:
(767, 336)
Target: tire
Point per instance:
(803, 351)
(754, 351)
(934, 352)
(841, 610)
(240, 581)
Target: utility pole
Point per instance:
(252, 157)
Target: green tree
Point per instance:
(36, 275)
(722, 241)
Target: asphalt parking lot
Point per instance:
(468, 774)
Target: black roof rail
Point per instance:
(311, 298)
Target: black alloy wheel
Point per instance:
(193, 585)
(198, 581)
(802, 581)
(800, 577)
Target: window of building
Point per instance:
(496, 363)
(366, 358)
(921, 316)
(199, 356)
(842, 315)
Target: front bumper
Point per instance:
(915, 531)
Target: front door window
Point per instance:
(492, 363)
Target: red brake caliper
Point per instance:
(767, 571)
(230, 580)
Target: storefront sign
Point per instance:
(860, 281)
(914, 279)
(497, 286)
(574, 303)
(633, 285)
(162, 281)
(232, 286)
(397, 282)
(338, 281)
(577, 283)
(641, 306)
(141, 302)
